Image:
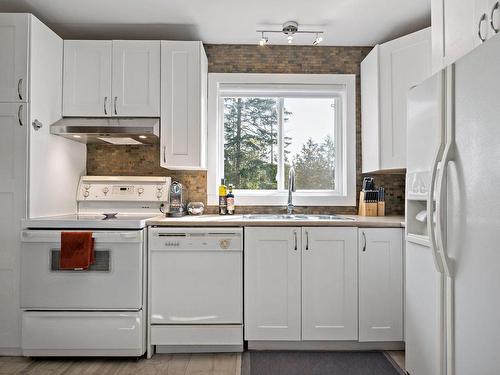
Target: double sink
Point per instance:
(293, 217)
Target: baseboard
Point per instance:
(11, 352)
(324, 345)
(199, 349)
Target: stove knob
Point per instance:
(159, 187)
(86, 193)
(159, 194)
(140, 191)
(86, 186)
(105, 190)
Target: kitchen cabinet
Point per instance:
(380, 284)
(136, 78)
(387, 73)
(184, 73)
(31, 183)
(300, 284)
(458, 26)
(87, 78)
(272, 283)
(14, 31)
(13, 207)
(104, 78)
(329, 284)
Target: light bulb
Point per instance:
(290, 39)
(318, 40)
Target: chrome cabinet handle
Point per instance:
(364, 241)
(106, 105)
(307, 240)
(19, 115)
(479, 33)
(164, 154)
(19, 87)
(492, 15)
(295, 239)
(116, 98)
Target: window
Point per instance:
(262, 124)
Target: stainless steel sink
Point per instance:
(294, 217)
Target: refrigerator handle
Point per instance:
(430, 211)
(448, 156)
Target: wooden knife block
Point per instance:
(367, 208)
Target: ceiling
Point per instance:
(345, 22)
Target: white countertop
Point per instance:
(240, 221)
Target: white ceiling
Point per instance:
(345, 22)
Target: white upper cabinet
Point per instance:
(184, 75)
(272, 284)
(387, 73)
(329, 284)
(458, 26)
(14, 44)
(380, 284)
(136, 78)
(111, 78)
(87, 78)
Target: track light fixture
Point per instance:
(289, 29)
(318, 40)
(263, 40)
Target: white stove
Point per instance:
(111, 203)
(92, 221)
(100, 311)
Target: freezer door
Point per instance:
(423, 308)
(424, 133)
(473, 207)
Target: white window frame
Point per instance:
(345, 193)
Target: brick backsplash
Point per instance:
(228, 58)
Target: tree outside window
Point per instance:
(264, 136)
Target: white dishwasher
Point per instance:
(196, 289)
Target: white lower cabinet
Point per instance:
(272, 283)
(380, 284)
(301, 284)
(329, 284)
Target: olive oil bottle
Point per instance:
(222, 197)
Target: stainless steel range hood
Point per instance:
(109, 130)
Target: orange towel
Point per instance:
(77, 250)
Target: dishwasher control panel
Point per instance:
(196, 239)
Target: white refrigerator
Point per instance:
(452, 295)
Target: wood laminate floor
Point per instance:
(398, 356)
(164, 364)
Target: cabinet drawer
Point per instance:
(83, 333)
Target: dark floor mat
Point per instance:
(316, 363)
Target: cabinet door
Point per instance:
(136, 78)
(329, 284)
(183, 105)
(493, 9)
(404, 62)
(381, 284)
(272, 283)
(13, 151)
(454, 30)
(14, 34)
(87, 78)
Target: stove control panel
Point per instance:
(126, 189)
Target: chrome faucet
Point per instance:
(291, 188)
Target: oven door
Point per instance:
(114, 281)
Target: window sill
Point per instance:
(281, 199)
